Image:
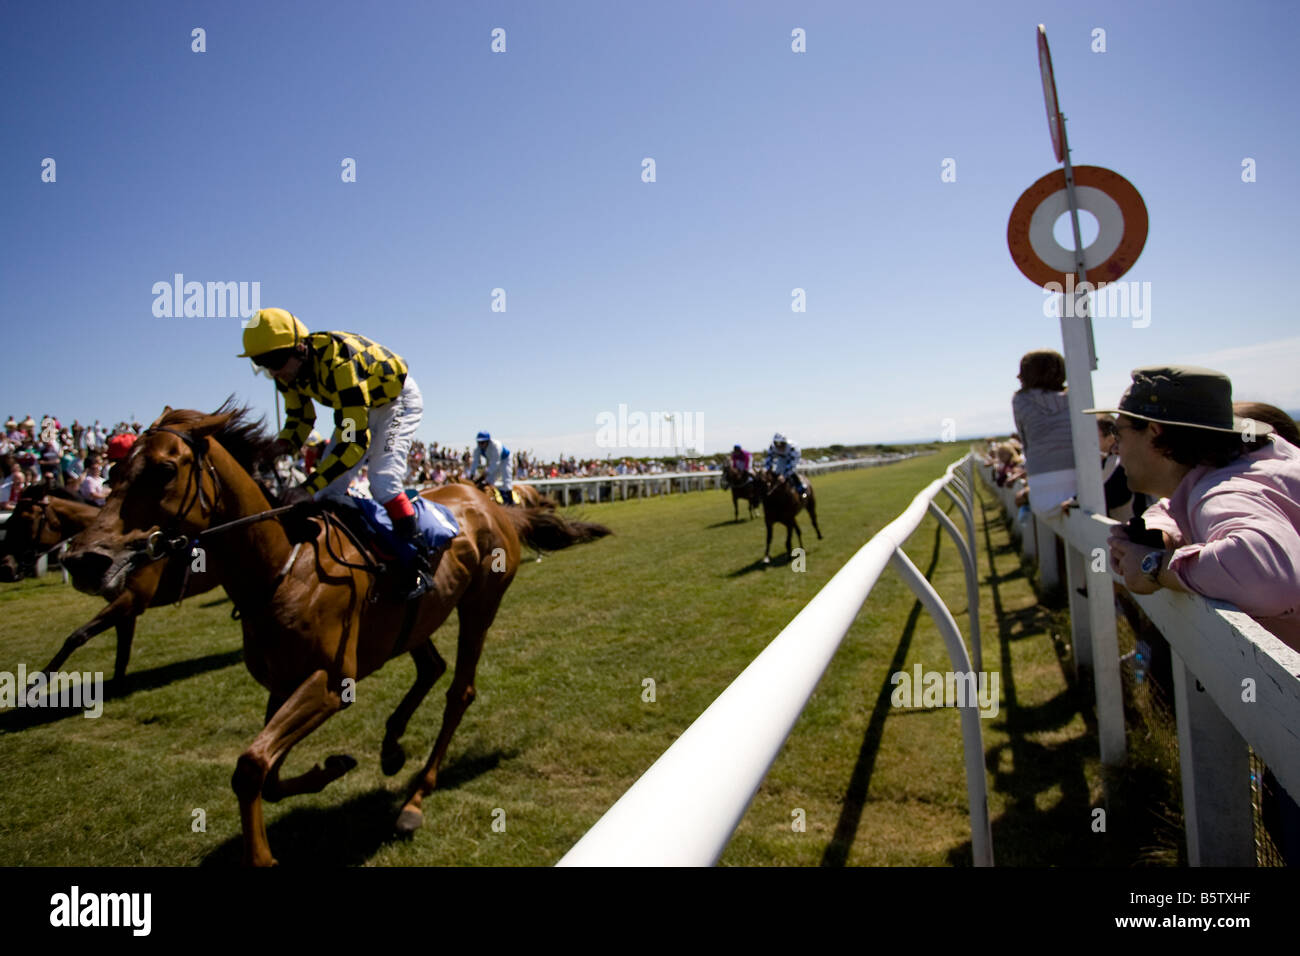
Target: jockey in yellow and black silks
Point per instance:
(377, 409)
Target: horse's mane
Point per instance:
(243, 436)
(42, 490)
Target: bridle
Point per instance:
(164, 543)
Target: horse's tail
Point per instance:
(548, 531)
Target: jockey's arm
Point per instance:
(349, 442)
(299, 417)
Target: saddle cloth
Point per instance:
(368, 519)
(495, 492)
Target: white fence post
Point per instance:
(1215, 765)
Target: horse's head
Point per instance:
(163, 495)
(33, 527)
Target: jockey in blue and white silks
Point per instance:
(496, 458)
(783, 458)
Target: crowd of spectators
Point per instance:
(77, 458)
(1210, 488)
(440, 464)
(73, 457)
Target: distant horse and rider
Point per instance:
(738, 476)
(784, 493)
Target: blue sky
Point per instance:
(522, 171)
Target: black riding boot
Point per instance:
(424, 565)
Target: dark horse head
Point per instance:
(41, 518)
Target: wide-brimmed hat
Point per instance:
(1182, 395)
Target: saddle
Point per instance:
(373, 528)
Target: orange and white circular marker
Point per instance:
(1121, 226)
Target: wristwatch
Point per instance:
(1151, 565)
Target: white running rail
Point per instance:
(684, 809)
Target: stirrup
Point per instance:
(425, 570)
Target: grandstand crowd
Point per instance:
(78, 458)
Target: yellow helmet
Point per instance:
(271, 329)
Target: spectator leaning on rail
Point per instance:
(377, 409)
(494, 458)
(1042, 412)
(1232, 521)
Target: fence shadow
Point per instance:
(855, 798)
(1029, 832)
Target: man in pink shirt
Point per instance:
(1232, 521)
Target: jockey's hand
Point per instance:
(297, 520)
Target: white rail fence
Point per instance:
(684, 809)
(598, 488)
(1235, 685)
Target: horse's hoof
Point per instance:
(408, 821)
(767, 560)
(391, 761)
(339, 764)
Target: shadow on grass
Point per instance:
(346, 835)
(25, 718)
(351, 833)
(1047, 821)
(837, 851)
(224, 599)
(779, 561)
(729, 523)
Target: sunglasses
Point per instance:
(273, 360)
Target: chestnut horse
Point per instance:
(40, 524)
(310, 627)
(782, 504)
(743, 488)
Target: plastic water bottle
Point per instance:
(1141, 660)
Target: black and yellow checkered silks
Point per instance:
(352, 375)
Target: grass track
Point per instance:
(560, 729)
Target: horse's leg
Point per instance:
(474, 622)
(767, 548)
(307, 708)
(735, 504)
(429, 666)
(812, 513)
(125, 635)
(312, 781)
(798, 531)
(120, 609)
